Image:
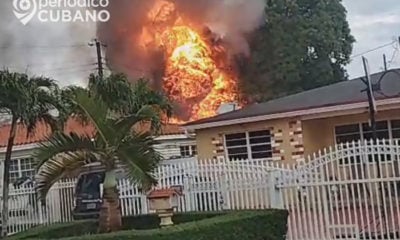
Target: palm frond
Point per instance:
(60, 143)
(114, 91)
(28, 99)
(144, 95)
(137, 154)
(43, 82)
(97, 112)
(67, 107)
(124, 124)
(59, 165)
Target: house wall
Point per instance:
(320, 133)
(18, 152)
(168, 146)
(293, 139)
(286, 134)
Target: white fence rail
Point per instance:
(25, 210)
(349, 191)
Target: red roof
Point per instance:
(168, 129)
(162, 193)
(42, 131)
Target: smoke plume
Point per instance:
(57, 50)
(229, 20)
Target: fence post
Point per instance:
(40, 210)
(274, 192)
(145, 208)
(223, 201)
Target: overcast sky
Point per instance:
(60, 51)
(374, 23)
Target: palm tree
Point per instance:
(124, 98)
(114, 143)
(28, 101)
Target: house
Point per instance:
(173, 143)
(292, 127)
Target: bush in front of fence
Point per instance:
(246, 225)
(89, 227)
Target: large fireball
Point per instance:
(197, 74)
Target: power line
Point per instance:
(63, 71)
(394, 55)
(14, 47)
(61, 63)
(374, 49)
(37, 67)
(74, 72)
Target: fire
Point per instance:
(197, 75)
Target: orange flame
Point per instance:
(193, 78)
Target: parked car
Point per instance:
(88, 195)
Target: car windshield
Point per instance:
(89, 185)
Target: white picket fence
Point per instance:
(26, 211)
(349, 191)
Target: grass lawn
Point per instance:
(240, 225)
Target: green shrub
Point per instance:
(87, 227)
(242, 225)
(77, 228)
(153, 221)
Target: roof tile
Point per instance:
(42, 131)
(345, 92)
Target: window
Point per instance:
(347, 133)
(395, 124)
(382, 131)
(188, 151)
(236, 145)
(194, 150)
(363, 131)
(14, 170)
(23, 167)
(249, 145)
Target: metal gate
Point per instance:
(350, 191)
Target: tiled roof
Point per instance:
(172, 129)
(162, 193)
(42, 131)
(345, 92)
(167, 129)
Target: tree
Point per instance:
(28, 101)
(303, 44)
(121, 97)
(124, 98)
(115, 142)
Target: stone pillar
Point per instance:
(278, 153)
(296, 140)
(218, 146)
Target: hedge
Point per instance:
(86, 227)
(241, 225)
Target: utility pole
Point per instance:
(371, 98)
(372, 111)
(98, 45)
(385, 62)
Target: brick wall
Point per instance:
(296, 140)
